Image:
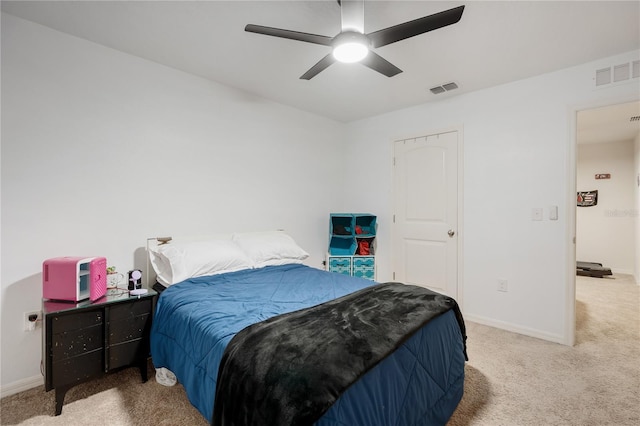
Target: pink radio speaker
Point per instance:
(74, 278)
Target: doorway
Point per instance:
(607, 153)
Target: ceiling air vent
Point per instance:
(444, 88)
(635, 73)
(635, 118)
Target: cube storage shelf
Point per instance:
(351, 244)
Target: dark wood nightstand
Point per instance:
(85, 340)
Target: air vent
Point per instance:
(618, 73)
(444, 88)
(635, 118)
(621, 72)
(603, 76)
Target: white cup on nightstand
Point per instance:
(114, 280)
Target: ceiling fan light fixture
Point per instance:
(350, 52)
(353, 45)
(350, 47)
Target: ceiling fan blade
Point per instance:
(416, 27)
(378, 63)
(352, 14)
(319, 67)
(292, 35)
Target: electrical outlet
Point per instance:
(503, 285)
(31, 325)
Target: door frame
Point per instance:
(572, 209)
(460, 199)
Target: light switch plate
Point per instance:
(553, 213)
(536, 213)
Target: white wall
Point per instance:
(101, 150)
(519, 140)
(606, 232)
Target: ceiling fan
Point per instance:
(353, 45)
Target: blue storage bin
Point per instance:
(342, 224)
(364, 267)
(340, 245)
(360, 251)
(341, 265)
(363, 261)
(366, 223)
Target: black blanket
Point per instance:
(288, 370)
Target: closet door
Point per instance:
(425, 240)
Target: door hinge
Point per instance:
(394, 275)
(394, 161)
(394, 218)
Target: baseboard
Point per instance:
(555, 338)
(21, 385)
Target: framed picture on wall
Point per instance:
(587, 198)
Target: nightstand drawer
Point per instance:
(72, 343)
(78, 369)
(126, 353)
(126, 311)
(76, 321)
(128, 329)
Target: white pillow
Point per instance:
(270, 248)
(176, 262)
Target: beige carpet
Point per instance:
(518, 380)
(512, 380)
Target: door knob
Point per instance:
(451, 233)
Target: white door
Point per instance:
(425, 240)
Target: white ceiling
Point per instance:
(608, 124)
(495, 42)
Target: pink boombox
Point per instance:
(74, 278)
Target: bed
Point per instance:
(257, 337)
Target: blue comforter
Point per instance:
(196, 319)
